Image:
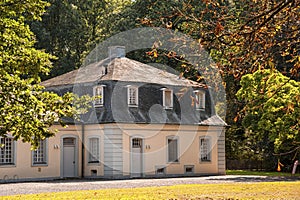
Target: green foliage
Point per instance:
(272, 108)
(16, 40)
(70, 29)
(27, 111)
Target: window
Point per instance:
(205, 153)
(199, 99)
(7, 151)
(167, 98)
(99, 94)
(39, 156)
(94, 150)
(132, 95)
(136, 143)
(160, 170)
(188, 169)
(172, 150)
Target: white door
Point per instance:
(69, 160)
(136, 157)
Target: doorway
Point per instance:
(136, 157)
(69, 158)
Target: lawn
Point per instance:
(259, 173)
(272, 190)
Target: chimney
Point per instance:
(116, 52)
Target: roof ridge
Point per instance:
(121, 69)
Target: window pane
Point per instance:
(132, 96)
(94, 156)
(136, 143)
(6, 151)
(200, 100)
(98, 92)
(172, 150)
(39, 155)
(204, 149)
(168, 98)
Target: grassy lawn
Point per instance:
(272, 190)
(259, 173)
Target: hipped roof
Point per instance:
(120, 69)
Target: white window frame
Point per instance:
(199, 99)
(132, 99)
(40, 155)
(169, 160)
(165, 100)
(99, 101)
(205, 150)
(4, 159)
(94, 157)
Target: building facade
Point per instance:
(145, 122)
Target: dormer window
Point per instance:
(199, 99)
(167, 98)
(132, 96)
(99, 95)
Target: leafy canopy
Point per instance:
(27, 111)
(272, 107)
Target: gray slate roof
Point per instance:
(120, 69)
(126, 70)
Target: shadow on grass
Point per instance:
(249, 178)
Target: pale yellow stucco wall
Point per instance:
(91, 131)
(155, 137)
(154, 151)
(23, 168)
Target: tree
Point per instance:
(272, 109)
(27, 111)
(70, 29)
(241, 36)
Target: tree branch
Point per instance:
(286, 153)
(267, 13)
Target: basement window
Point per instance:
(93, 172)
(189, 169)
(160, 170)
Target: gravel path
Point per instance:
(70, 185)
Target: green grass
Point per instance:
(259, 173)
(271, 190)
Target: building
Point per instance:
(146, 123)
